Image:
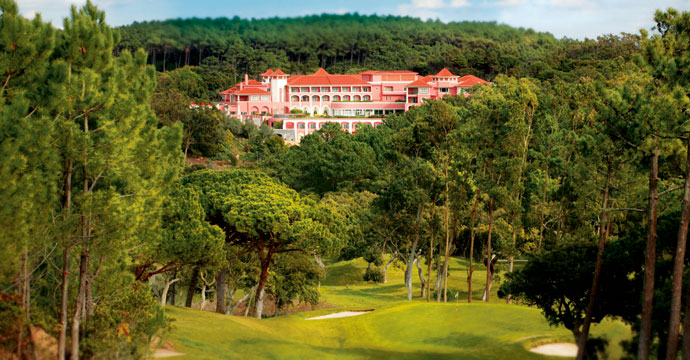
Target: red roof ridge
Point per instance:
(247, 91)
(421, 82)
(471, 80)
(445, 73)
(279, 72)
(321, 71)
(268, 72)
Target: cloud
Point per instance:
(459, 3)
(428, 4)
(510, 3)
(430, 9)
(341, 11)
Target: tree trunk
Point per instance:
(79, 305)
(89, 303)
(413, 251)
(203, 297)
(385, 269)
(408, 269)
(471, 255)
(321, 265)
(438, 281)
(421, 276)
(265, 263)
(64, 298)
(447, 253)
(685, 348)
(603, 234)
(240, 301)
(192, 287)
(431, 259)
(173, 288)
(650, 263)
(487, 290)
(220, 293)
(164, 294)
(674, 321)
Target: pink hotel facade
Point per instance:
(346, 99)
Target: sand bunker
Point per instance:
(557, 349)
(341, 314)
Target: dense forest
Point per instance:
(576, 159)
(353, 43)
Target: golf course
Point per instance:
(396, 329)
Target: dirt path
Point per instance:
(556, 349)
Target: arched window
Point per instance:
(294, 98)
(305, 98)
(336, 97)
(300, 126)
(366, 98)
(346, 98)
(326, 98)
(315, 98)
(356, 98)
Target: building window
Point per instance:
(346, 89)
(315, 98)
(355, 89)
(336, 89)
(336, 97)
(254, 98)
(423, 90)
(300, 126)
(294, 98)
(346, 98)
(294, 89)
(312, 126)
(314, 89)
(345, 125)
(356, 98)
(264, 98)
(388, 88)
(366, 98)
(366, 89)
(324, 89)
(412, 100)
(304, 89)
(325, 98)
(443, 90)
(305, 98)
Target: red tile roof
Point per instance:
(321, 71)
(267, 72)
(388, 72)
(445, 73)
(252, 91)
(279, 72)
(421, 82)
(471, 80)
(229, 91)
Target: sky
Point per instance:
(576, 19)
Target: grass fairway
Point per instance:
(397, 329)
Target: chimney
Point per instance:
(246, 79)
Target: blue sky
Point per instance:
(563, 18)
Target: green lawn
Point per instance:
(397, 329)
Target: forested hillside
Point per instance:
(563, 186)
(352, 43)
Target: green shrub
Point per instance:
(373, 274)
